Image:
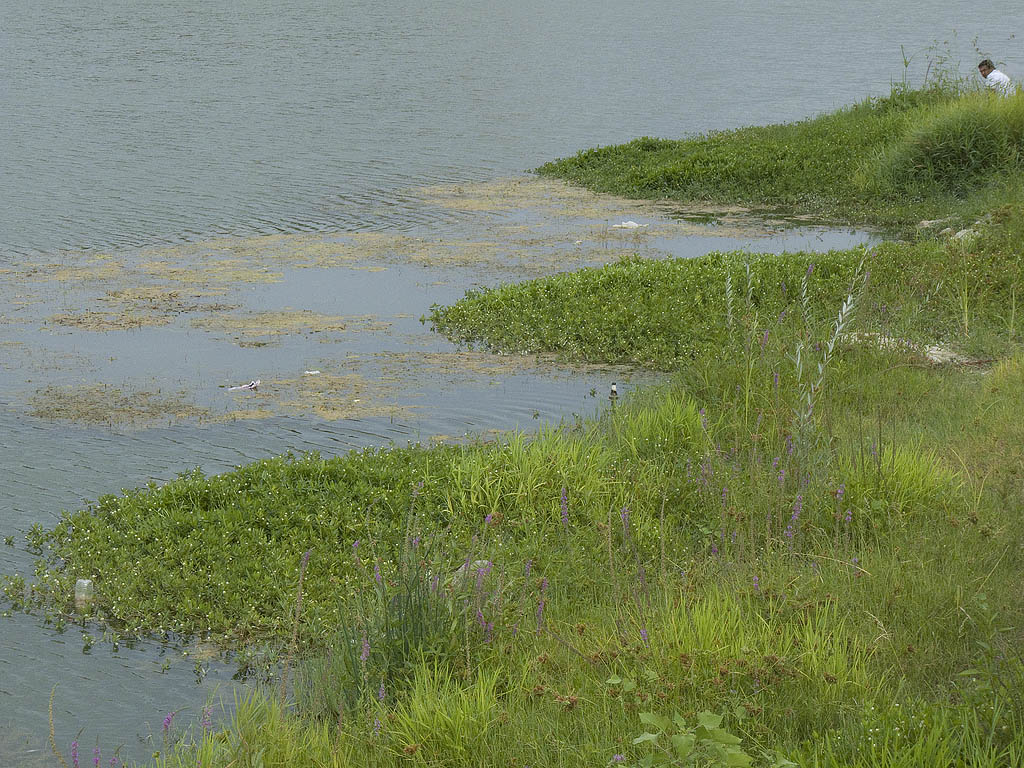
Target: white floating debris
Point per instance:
(311, 373)
(252, 386)
(578, 242)
(628, 225)
(83, 593)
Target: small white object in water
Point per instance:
(627, 225)
(614, 394)
(311, 373)
(578, 242)
(83, 593)
(252, 386)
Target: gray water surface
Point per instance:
(151, 152)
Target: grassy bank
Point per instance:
(804, 548)
(891, 161)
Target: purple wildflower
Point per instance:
(617, 758)
(789, 445)
(810, 268)
(376, 725)
(798, 506)
(96, 757)
(782, 316)
(365, 653)
(775, 463)
(714, 549)
(725, 495)
(113, 762)
(643, 634)
(207, 721)
(782, 477)
(167, 722)
(376, 574)
(74, 753)
(305, 559)
(527, 568)
(381, 693)
(840, 492)
(764, 339)
(488, 519)
(775, 379)
(757, 584)
(415, 541)
(565, 507)
(849, 516)
(703, 420)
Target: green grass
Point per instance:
(891, 161)
(804, 545)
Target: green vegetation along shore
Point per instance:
(804, 548)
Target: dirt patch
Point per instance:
(104, 321)
(104, 405)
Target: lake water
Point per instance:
(193, 195)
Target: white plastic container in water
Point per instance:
(83, 593)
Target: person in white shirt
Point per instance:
(994, 79)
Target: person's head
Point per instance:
(986, 67)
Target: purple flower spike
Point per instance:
(617, 758)
(643, 635)
(488, 519)
(167, 721)
(849, 516)
(757, 584)
(381, 694)
(96, 757)
(365, 653)
(207, 721)
(376, 574)
(74, 753)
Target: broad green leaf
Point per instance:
(645, 737)
(739, 758)
(613, 680)
(683, 744)
(628, 685)
(680, 721)
(709, 720)
(722, 736)
(660, 722)
(650, 674)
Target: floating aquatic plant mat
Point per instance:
(268, 305)
(99, 404)
(557, 199)
(284, 322)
